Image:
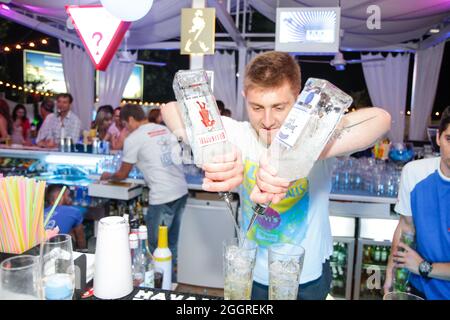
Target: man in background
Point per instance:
(68, 218)
(63, 124)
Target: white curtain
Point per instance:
(112, 82)
(427, 64)
(79, 77)
(224, 67)
(387, 83)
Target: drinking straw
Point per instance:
(50, 214)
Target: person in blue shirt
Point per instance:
(424, 207)
(68, 218)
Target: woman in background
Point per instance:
(21, 126)
(117, 132)
(5, 121)
(103, 121)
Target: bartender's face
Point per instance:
(63, 104)
(443, 141)
(267, 108)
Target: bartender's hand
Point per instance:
(268, 186)
(225, 174)
(408, 258)
(106, 176)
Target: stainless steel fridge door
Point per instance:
(205, 225)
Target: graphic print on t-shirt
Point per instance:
(285, 221)
(165, 151)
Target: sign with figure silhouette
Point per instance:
(197, 31)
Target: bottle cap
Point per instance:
(163, 237)
(142, 232)
(133, 241)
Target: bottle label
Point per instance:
(149, 279)
(293, 126)
(206, 122)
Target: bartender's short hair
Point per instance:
(65, 95)
(52, 192)
(271, 70)
(445, 120)
(134, 111)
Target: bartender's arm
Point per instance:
(172, 118)
(121, 174)
(359, 131)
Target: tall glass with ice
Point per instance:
(285, 268)
(238, 264)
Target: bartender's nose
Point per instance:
(268, 120)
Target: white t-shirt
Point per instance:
(155, 151)
(413, 173)
(301, 218)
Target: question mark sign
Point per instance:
(100, 37)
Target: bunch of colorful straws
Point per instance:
(21, 213)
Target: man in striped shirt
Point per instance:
(62, 124)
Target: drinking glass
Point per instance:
(238, 265)
(20, 278)
(401, 296)
(285, 267)
(57, 268)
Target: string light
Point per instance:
(437, 114)
(143, 103)
(25, 89)
(408, 112)
(20, 46)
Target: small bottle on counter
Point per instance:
(136, 268)
(163, 257)
(145, 259)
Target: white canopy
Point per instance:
(401, 20)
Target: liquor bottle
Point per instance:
(145, 259)
(163, 257)
(384, 255)
(307, 128)
(201, 116)
(137, 270)
(367, 254)
(342, 254)
(310, 124)
(204, 128)
(334, 256)
(377, 254)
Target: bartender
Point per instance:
(63, 124)
(271, 85)
(152, 147)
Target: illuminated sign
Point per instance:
(197, 31)
(100, 32)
